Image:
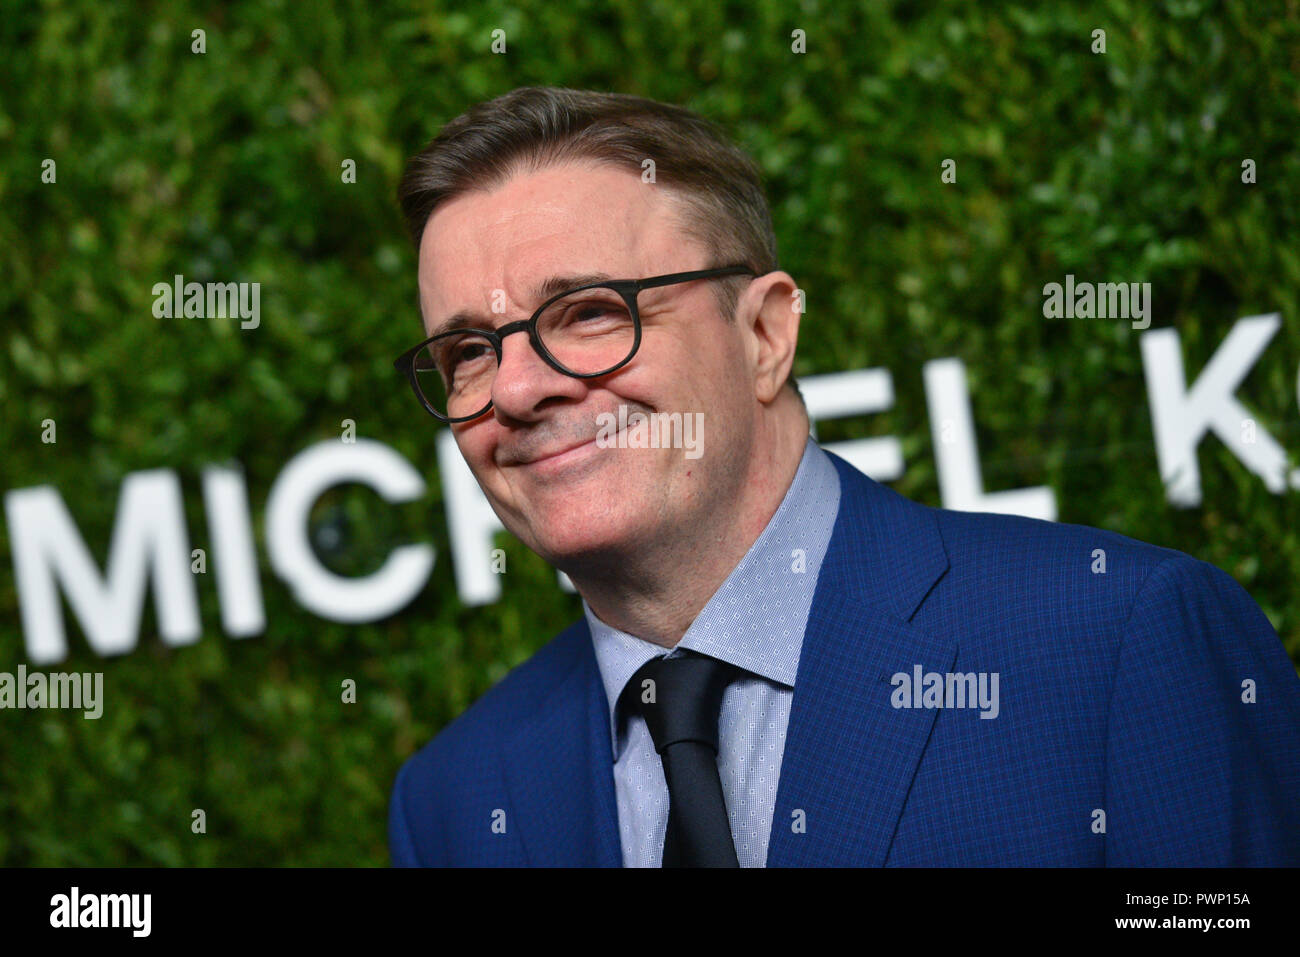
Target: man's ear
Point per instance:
(769, 311)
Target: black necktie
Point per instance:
(680, 698)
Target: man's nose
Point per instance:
(524, 380)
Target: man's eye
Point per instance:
(595, 310)
(468, 352)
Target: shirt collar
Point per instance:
(756, 619)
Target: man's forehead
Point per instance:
(562, 220)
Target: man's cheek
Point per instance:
(477, 454)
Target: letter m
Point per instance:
(117, 910)
(1115, 296)
(149, 543)
(223, 300)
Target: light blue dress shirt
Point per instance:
(755, 621)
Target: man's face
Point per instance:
(534, 453)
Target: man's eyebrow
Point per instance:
(555, 285)
(542, 291)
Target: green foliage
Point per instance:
(226, 166)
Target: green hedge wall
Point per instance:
(226, 166)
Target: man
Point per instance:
(780, 662)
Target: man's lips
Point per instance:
(523, 456)
(549, 454)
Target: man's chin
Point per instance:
(580, 543)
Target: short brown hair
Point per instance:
(530, 128)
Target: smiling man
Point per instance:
(780, 662)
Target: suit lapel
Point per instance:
(850, 756)
(559, 771)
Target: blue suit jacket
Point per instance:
(1122, 737)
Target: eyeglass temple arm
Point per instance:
(694, 274)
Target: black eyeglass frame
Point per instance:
(626, 288)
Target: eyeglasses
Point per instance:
(584, 333)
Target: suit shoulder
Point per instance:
(969, 534)
(999, 567)
(1027, 562)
